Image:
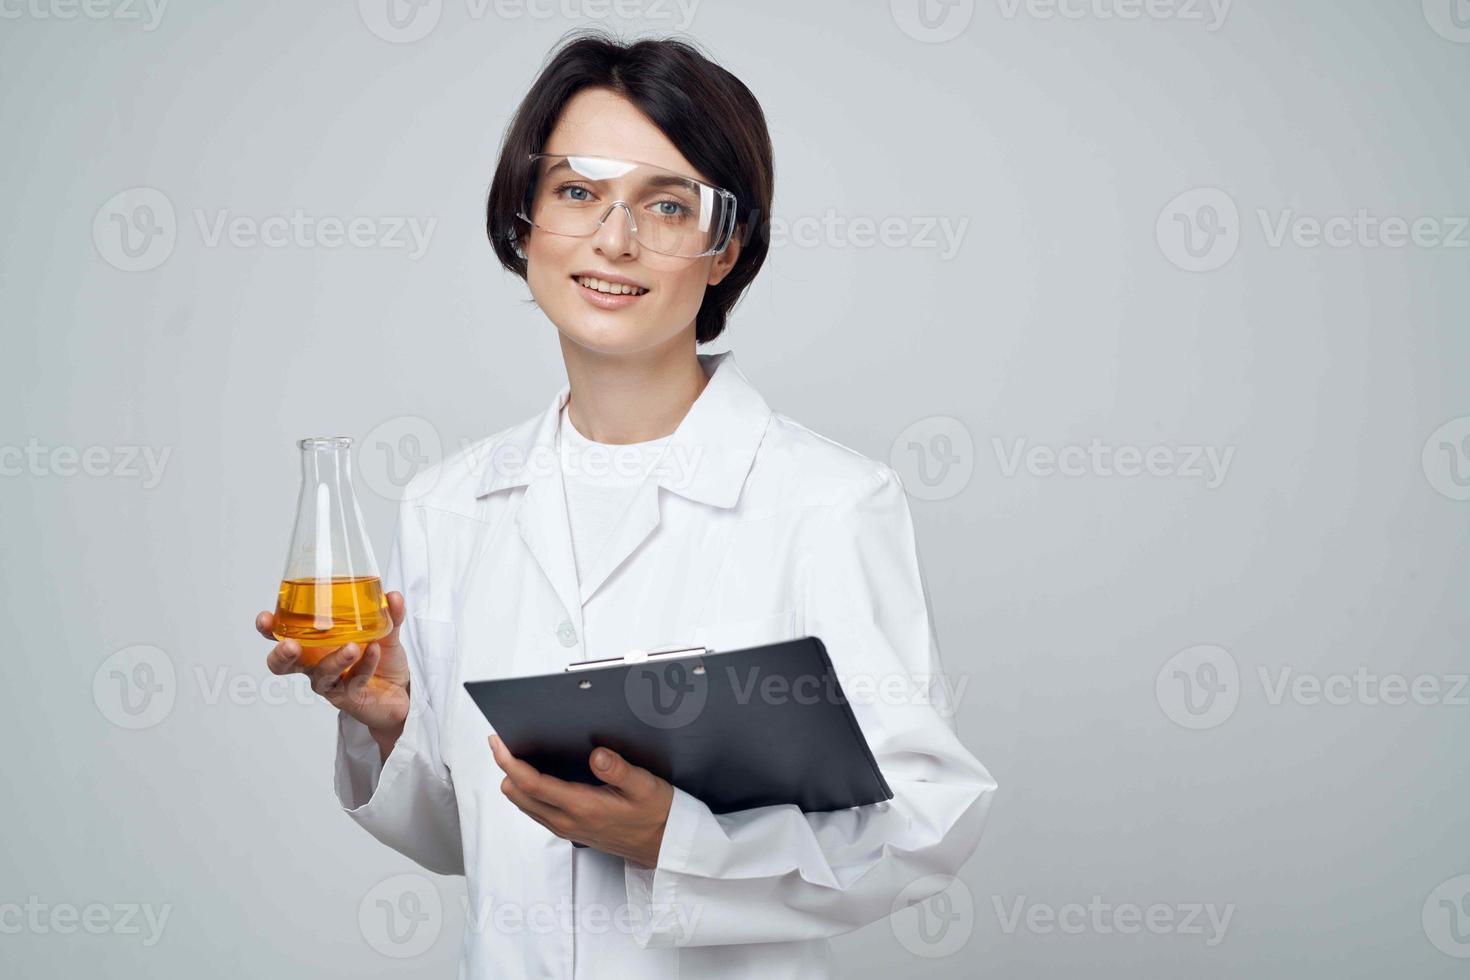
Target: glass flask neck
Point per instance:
(330, 538)
(329, 458)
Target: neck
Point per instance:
(625, 398)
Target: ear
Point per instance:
(725, 261)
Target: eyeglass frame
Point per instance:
(726, 234)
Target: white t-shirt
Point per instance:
(600, 480)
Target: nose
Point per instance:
(616, 236)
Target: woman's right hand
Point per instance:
(370, 686)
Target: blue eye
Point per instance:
(571, 187)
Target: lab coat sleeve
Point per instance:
(774, 874)
(407, 800)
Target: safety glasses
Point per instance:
(668, 213)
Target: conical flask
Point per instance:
(330, 593)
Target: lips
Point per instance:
(608, 286)
(607, 301)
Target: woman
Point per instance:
(633, 196)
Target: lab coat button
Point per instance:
(567, 633)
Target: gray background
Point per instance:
(1333, 833)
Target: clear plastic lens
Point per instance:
(667, 212)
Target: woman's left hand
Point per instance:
(625, 817)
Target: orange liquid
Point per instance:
(324, 615)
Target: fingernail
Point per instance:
(602, 759)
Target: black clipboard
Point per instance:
(735, 729)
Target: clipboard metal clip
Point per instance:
(641, 656)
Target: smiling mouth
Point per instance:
(608, 288)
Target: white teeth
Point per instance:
(602, 286)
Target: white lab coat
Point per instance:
(757, 530)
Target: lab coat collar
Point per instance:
(714, 445)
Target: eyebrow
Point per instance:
(657, 180)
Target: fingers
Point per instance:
(547, 824)
(549, 790)
(284, 658)
(397, 611)
(327, 674)
(367, 666)
(264, 623)
(548, 815)
(614, 770)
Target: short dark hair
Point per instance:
(681, 91)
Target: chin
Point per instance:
(610, 336)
